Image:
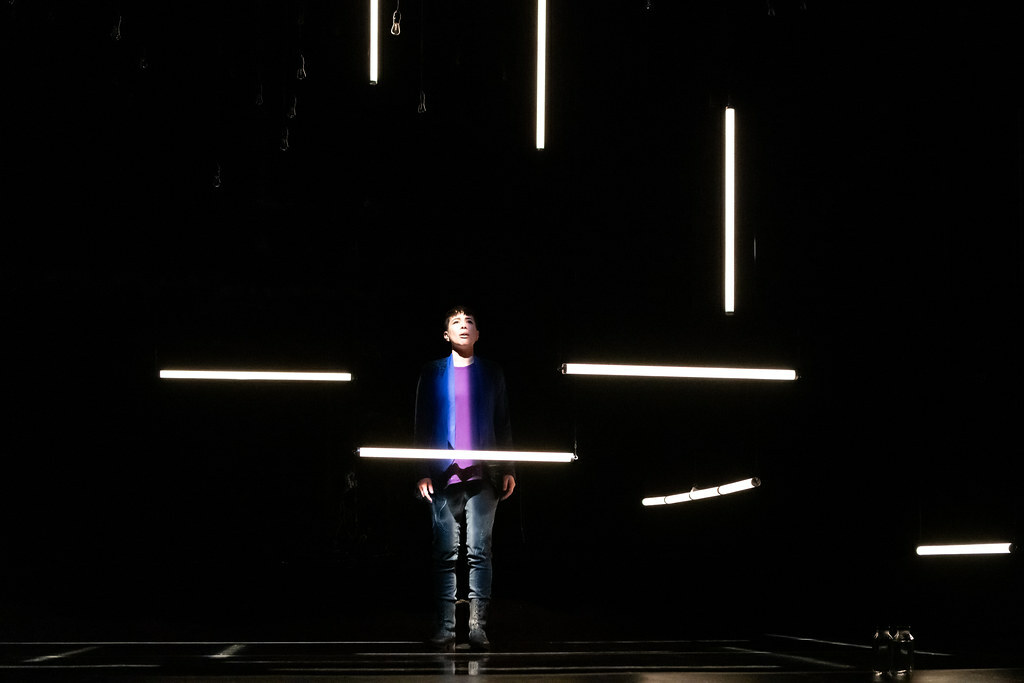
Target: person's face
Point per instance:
(462, 332)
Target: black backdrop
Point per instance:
(221, 187)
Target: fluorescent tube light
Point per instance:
(374, 31)
(676, 371)
(736, 486)
(542, 40)
(257, 375)
(450, 454)
(730, 210)
(965, 549)
(698, 494)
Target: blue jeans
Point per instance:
(471, 505)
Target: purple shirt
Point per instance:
(463, 470)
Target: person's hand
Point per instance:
(508, 485)
(426, 488)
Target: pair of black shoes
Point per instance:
(443, 639)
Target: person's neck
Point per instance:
(460, 360)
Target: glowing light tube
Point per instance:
(257, 375)
(374, 31)
(730, 210)
(965, 549)
(698, 494)
(542, 40)
(449, 454)
(681, 372)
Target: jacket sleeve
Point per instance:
(502, 418)
(502, 425)
(423, 423)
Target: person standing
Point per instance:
(462, 404)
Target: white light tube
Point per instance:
(374, 30)
(450, 454)
(730, 210)
(965, 549)
(683, 372)
(257, 375)
(542, 40)
(726, 489)
(698, 494)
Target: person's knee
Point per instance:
(446, 553)
(480, 551)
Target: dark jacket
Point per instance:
(491, 424)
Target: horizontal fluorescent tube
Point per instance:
(672, 371)
(257, 375)
(697, 494)
(965, 549)
(450, 454)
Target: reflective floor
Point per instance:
(82, 628)
(773, 657)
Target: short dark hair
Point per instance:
(455, 310)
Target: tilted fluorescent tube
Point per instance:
(697, 494)
(683, 372)
(257, 375)
(736, 486)
(965, 549)
(667, 500)
(451, 454)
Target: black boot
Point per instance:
(444, 635)
(477, 621)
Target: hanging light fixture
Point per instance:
(677, 371)
(965, 549)
(542, 29)
(451, 454)
(698, 494)
(374, 30)
(730, 210)
(258, 375)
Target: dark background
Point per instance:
(176, 195)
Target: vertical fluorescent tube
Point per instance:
(374, 30)
(730, 210)
(542, 39)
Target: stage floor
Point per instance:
(771, 657)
